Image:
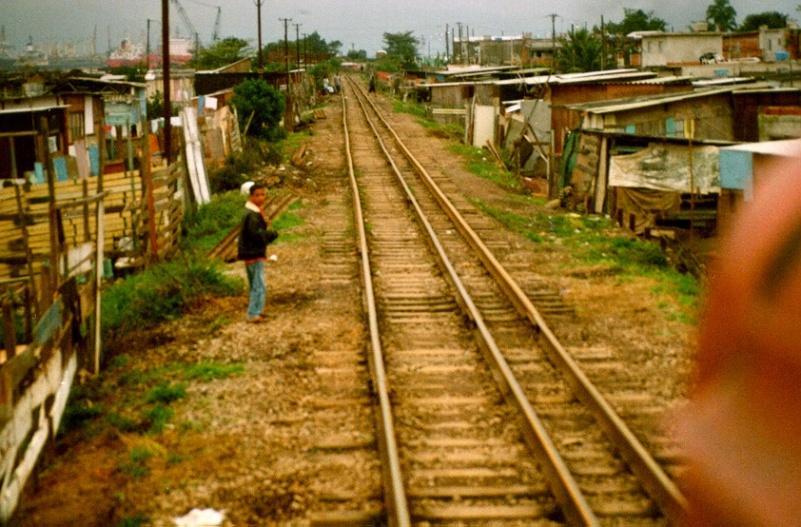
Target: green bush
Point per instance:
(208, 225)
(254, 97)
(242, 167)
(162, 292)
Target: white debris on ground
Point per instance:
(201, 518)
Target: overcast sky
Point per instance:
(358, 22)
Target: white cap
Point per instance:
(245, 189)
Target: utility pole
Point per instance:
(553, 41)
(165, 60)
(461, 44)
(286, 22)
(305, 50)
(297, 43)
(453, 45)
(258, 22)
(289, 115)
(603, 43)
(447, 44)
(147, 47)
(467, 30)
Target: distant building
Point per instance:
(672, 49)
(505, 50)
(182, 85)
(767, 45)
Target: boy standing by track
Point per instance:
(254, 238)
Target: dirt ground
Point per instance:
(246, 437)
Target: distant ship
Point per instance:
(128, 54)
(32, 57)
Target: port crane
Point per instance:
(188, 22)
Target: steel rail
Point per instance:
(561, 482)
(653, 478)
(397, 508)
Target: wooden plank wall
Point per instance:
(125, 217)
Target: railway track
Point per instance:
(482, 416)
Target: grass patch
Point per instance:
(166, 393)
(478, 162)
(161, 293)
(122, 423)
(446, 131)
(134, 521)
(288, 223)
(219, 323)
(135, 465)
(411, 108)
(595, 240)
(208, 225)
(289, 145)
(157, 418)
(211, 371)
(79, 412)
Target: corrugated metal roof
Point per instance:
(672, 79)
(109, 82)
(786, 148)
(724, 81)
(454, 84)
(10, 111)
(578, 78)
(462, 70)
(763, 87)
(635, 103)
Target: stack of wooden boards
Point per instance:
(125, 217)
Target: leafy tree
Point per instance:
(324, 70)
(580, 51)
(357, 54)
(219, 54)
(772, 19)
(636, 20)
(402, 47)
(314, 45)
(256, 98)
(133, 73)
(722, 14)
(633, 20)
(155, 107)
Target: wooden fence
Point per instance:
(54, 241)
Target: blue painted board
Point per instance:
(736, 169)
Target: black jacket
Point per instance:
(254, 237)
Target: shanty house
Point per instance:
(702, 114)
(21, 156)
(766, 114)
(670, 49)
